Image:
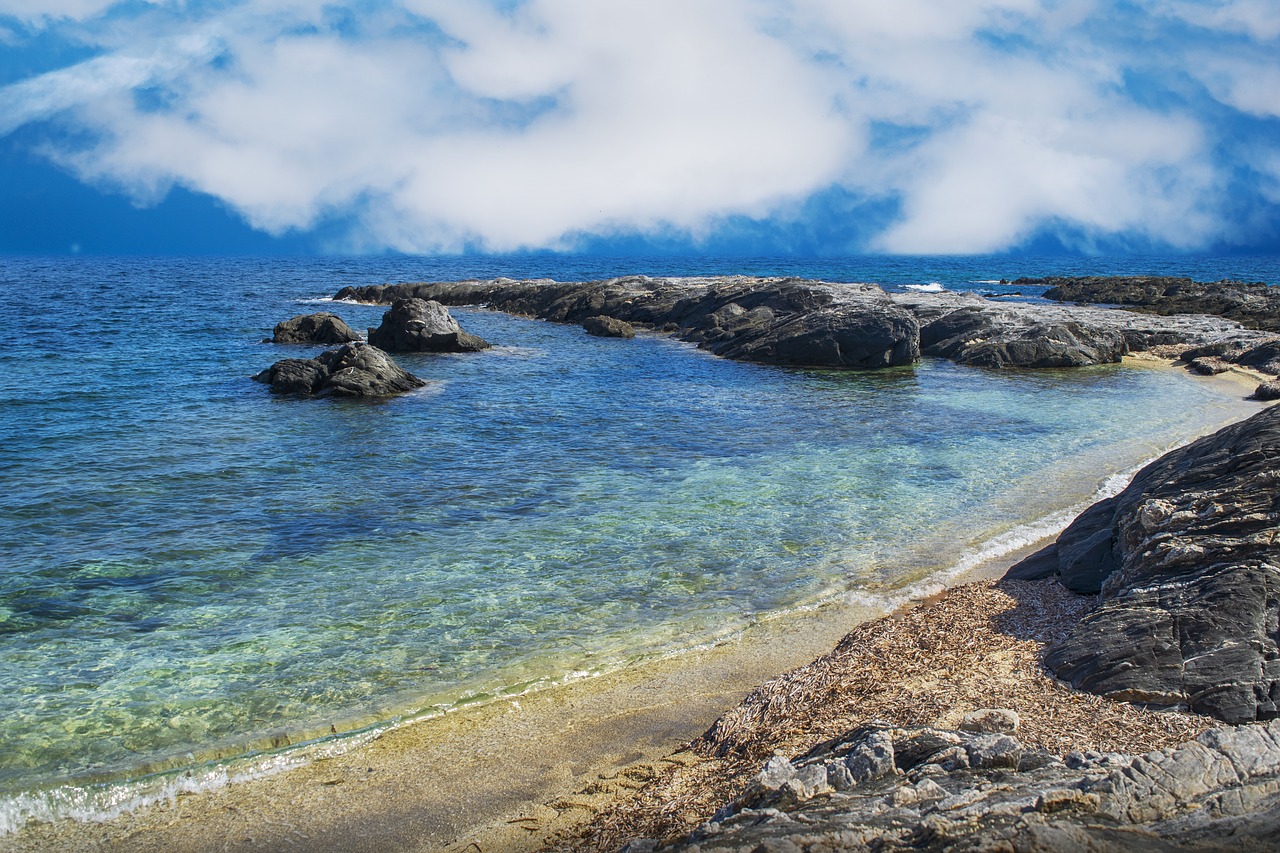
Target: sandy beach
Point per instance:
(585, 765)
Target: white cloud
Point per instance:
(35, 12)
(441, 123)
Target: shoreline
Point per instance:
(495, 771)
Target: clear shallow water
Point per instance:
(192, 568)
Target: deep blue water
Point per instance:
(192, 568)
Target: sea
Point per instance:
(202, 581)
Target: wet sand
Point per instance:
(505, 776)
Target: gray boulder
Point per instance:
(417, 325)
(320, 328)
(1267, 391)
(351, 370)
(1186, 566)
(608, 327)
(989, 792)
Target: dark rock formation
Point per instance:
(417, 325)
(821, 324)
(970, 330)
(1267, 391)
(351, 370)
(776, 321)
(1254, 304)
(608, 327)
(888, 789)
(321, 328)
(1188, 571)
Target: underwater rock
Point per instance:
(352, 370)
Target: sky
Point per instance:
(812, 127)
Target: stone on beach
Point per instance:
(319, 328)
(352, 370)
(418, 325)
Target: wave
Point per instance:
(931, 287)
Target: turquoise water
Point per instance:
(192, 568)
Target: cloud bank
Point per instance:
(438, 125)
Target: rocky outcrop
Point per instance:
(608, 327)
(1253, 304)
(351, 370)
(822, 324)
(418, 325)
(320, 328)
(968, 329)
(883, 788)
(1188, 572)
(774, 321)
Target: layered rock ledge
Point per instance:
(351, 370)
(887, 788)
(823, 324)
(1188, 573)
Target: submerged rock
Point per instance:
(608, 327)
(352, 370)
(1188, 572)
(319, 328)
(942, 790)
(418, 325)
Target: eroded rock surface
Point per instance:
(884, 788)
(352, 370)
(1254, 304)
(419, 325)
(319, 328)
(1188, 570)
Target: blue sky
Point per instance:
(727, 126)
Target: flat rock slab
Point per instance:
(352, 370)
(883, 788)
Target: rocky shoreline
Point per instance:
(803, 323)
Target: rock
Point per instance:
(352, 370)
(772, 321)
(991, 721)
(1188, 573)
(417, 325)
(1253, 304)
(1208, 365)
(1267, 391)
(1221, 789)
(608, 327)
(823, 324)
(320, 328)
